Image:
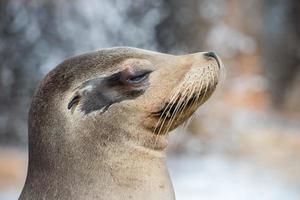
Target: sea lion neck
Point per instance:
(78, 174)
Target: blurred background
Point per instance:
(244, 143)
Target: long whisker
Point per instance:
(187, 101)
(206, 87)
(180, 102)
(160, 125)
(181, 109)
(196, 96)
(200, 92)
(175, 96)
(178, 107)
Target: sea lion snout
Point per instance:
(195, 78)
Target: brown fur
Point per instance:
(116, 154)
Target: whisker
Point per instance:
(206, 87)
(182, 107)
(184, 98)
(175, 96)
(196, 98)
(187, 102)
(177, 108)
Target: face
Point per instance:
(140, 91)
(95, 109)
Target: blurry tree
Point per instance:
(183, 29)
(281, 46)
(28, 32)
(18, 74)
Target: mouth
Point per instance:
(173, 113)
(170, 109)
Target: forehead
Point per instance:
(106, 60)
(79, 68)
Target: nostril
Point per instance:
(211, 54)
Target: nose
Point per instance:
(212, 55)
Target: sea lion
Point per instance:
(98, 123)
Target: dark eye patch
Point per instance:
(95, 101)
(102, 92)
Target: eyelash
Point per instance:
(139, 78)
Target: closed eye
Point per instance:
(139, 77)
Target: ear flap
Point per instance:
(74, 101)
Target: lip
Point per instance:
(169, 108)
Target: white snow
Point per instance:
(216, 177)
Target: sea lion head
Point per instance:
(119, 95)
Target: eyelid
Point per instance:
(143, 74)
